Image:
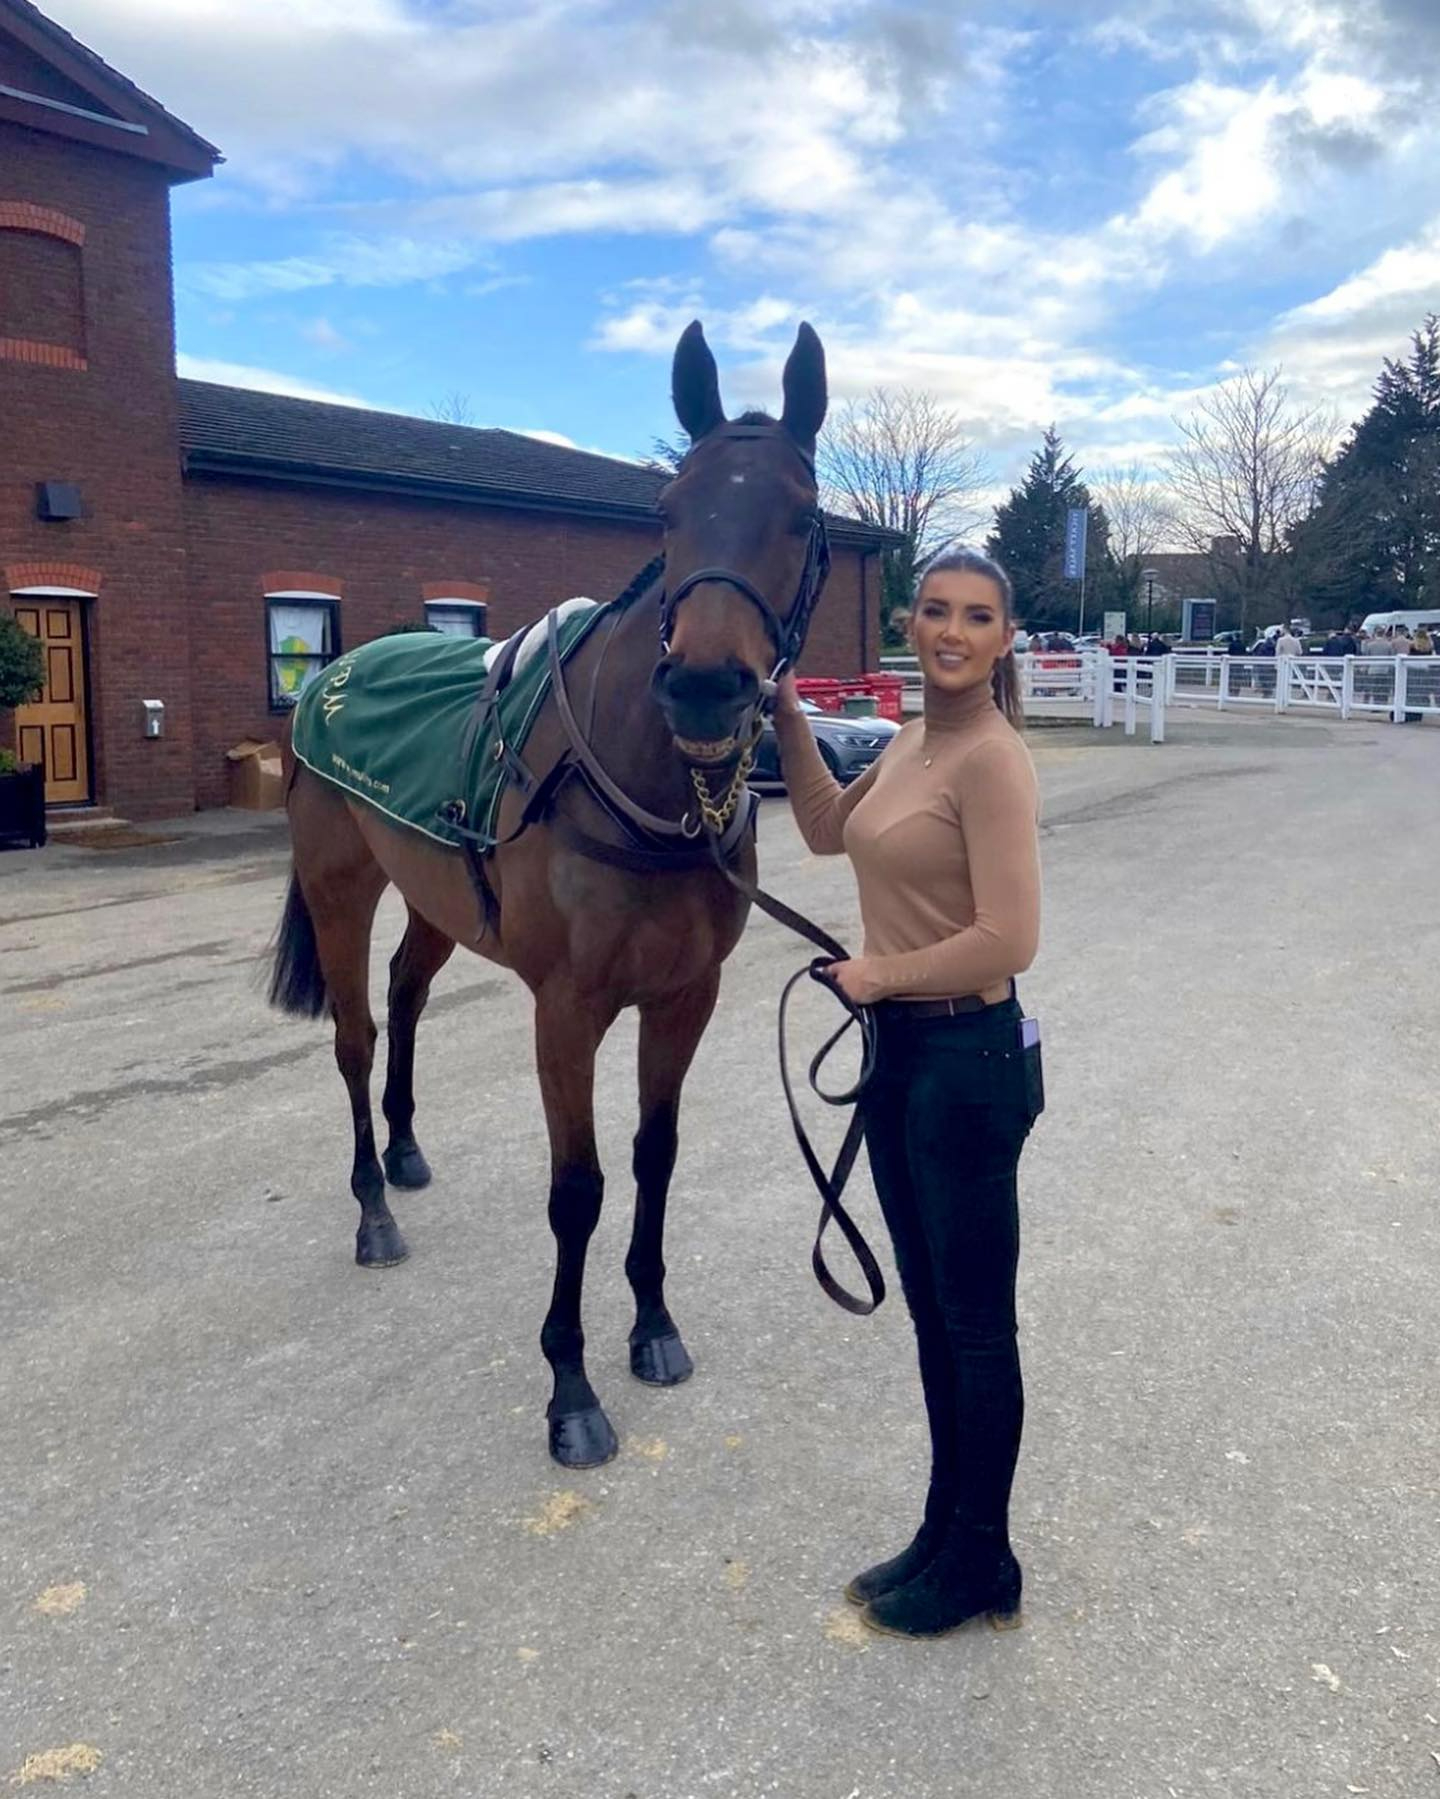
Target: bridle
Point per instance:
(787, 634)
(658, 843)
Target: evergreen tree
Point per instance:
(1372, 543)
(1029, 540)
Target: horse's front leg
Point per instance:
(670, 1030)
(568, 1031)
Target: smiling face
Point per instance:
(959, 629)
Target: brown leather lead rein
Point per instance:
(829, 1183)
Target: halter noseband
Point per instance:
(786, 634)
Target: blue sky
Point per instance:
(1085, 213)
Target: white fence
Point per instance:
(1399, 689)
(1105, 686)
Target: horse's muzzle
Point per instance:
(712, 713)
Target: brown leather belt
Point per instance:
(892, 1010)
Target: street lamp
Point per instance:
(1148, 576)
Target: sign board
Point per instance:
(1197, 620)
(1077, 519)
(1114, 626)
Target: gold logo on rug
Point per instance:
(332, 696)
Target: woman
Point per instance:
(942, 834)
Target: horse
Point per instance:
(617, 873)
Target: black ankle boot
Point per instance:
(973, 1571)
(913, 1559)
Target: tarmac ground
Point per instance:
(271, 1525)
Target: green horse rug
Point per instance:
(393, 722)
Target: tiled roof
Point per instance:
(32, 15)
(237, 431)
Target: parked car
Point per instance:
(847, 745)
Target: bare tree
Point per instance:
(1245, 473)
(1139, 512)
(897, 458)
(453, 408)
(1139, 508)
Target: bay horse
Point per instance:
(604, 889)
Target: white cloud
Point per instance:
(846, 160)
(266, 381)
(552, 437)
(324, 335)
(1410, 274)
(344, 261)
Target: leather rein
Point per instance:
(713, 837)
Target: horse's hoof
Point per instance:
(380, 1245)
(405, 1166)
(583, 1439)
(662, 1361)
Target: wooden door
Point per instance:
(53, 730)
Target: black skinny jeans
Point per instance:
(946, 1117)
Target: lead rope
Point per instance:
(831, 1184)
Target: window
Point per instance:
(301, 639)
(456, 618)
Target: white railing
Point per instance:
(1393, 687)
(1090, 678)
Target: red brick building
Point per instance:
(206, 547)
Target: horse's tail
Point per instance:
(297, 981)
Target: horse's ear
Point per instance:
(695, 384)
(806, 394)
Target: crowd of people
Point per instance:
(1278, 640)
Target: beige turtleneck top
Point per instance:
(941, 831)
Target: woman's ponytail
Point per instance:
(1005, 681)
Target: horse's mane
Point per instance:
(640, 584)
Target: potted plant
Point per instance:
(22, 785)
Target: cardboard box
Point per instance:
(257, 778)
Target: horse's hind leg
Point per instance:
(568, 1033)
(669, 1034)
(378, 1242)
(423, 952)
(341, 883)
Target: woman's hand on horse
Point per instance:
(787, 697)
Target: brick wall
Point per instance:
(40, 288)
(382, 552)
(181, 576)
(111, 427)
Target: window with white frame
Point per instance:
(301, 637)
(456, 618)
